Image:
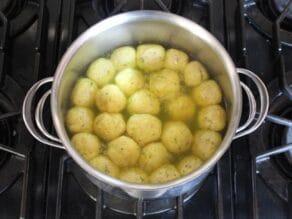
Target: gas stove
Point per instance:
(252, 180)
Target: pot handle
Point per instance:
(256, 118)
(39, 132)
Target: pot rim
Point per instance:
(151, 16)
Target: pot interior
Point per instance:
(148, 27)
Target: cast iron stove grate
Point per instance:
(18, 19)
(272, 146)
(71, 178)
(225, 194)
(264, 13)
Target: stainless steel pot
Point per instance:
(133, 28)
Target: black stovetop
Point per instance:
(37, 181)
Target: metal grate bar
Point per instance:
(219, 200)
(216, 21)
(121, 5)
(99, 204)
(25, 188)
(3, 39)
(242, 31)
(273, 152)
(279, 120)
(289, 204)
(61, 173)
(280, 62)
(224, 202)
(139, 209)
(255, 214)
(112, 7)
(66, 28)
(180, 207)
(162, 5)
(40, 28)
(9, 115)
(39, 41)
(141, 4)
(11, 184)
(11, 150)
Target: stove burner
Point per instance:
(262, 14)
(276, 171)
(150, 207)
(126, 205)
(115, 6)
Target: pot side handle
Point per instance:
(254, 119)
(38, 131)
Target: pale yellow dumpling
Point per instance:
(163, 174)
(189, 164)
(102, 71)
(181, 108)
(212, 117)
(129, 80)
(87, 144)
(144, 128)
(150, 57)
(83, 93)
(143, 102)
(109, 126)
(176, 60)
(79, 119)
(176, 137)
(152, 156)
(164, 83)
(205, 143)
(195, 73)
(124, 57)
(134, 175)
(123, 151)
(105, 165)
(146, 114)
(207, 93)
(110, 99)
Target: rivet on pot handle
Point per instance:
(247, 128)
(40, 133)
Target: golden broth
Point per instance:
(146, 114)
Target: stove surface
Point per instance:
(37, 181)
